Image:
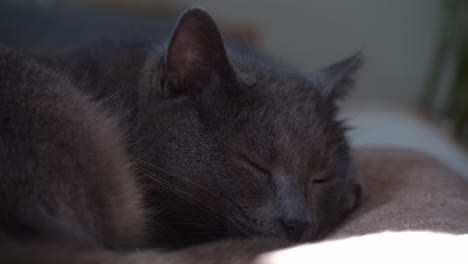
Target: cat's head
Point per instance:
(261, 139)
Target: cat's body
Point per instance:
(123, 146)
(64, 165)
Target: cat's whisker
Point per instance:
(184, 195)
(166, 185)
(172, 175)
(162, 182)
(243, 229)
(198, 186)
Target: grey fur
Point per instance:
(125, 145)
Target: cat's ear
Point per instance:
(196, 59)
(336, 80)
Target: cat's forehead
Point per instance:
(276, 81)
(281, 96)
(280, 111)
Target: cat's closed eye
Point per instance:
(252, 165)
(322, 178)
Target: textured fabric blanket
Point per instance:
(407, 190)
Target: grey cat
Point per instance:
(130, 145)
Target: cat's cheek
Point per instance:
(250, 190)
(328, 204)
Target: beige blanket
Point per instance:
(408, 190)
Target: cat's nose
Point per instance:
(295, 227)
